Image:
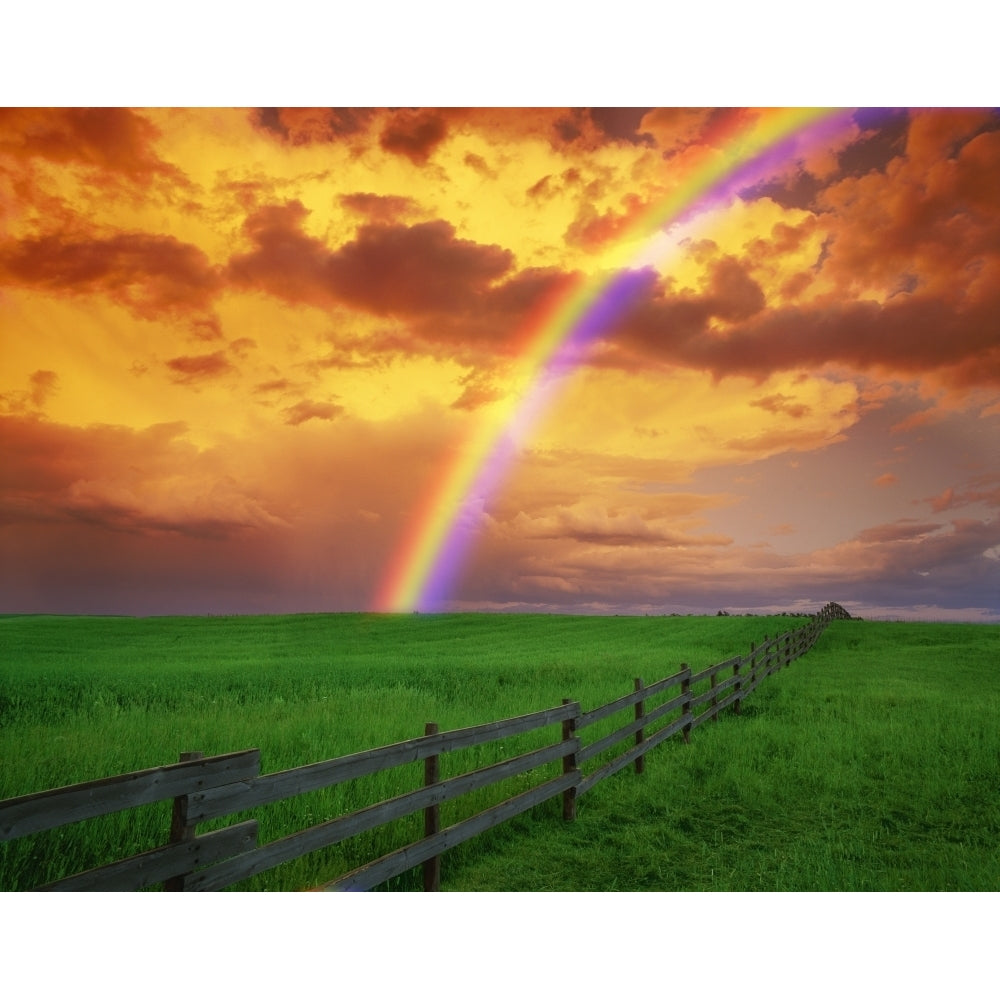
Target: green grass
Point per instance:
(869, 764)
(873, 763)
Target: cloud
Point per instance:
(778, 402)
(676, 128)
(42, 384)
(120, 480)
(274, 385)
(382, 208)
(982, 489)
(111, 519)
(198, 368)
(945, 566)
(592, 229)
(394, 269)
(912, 336)
(477, 389)
(308, 409)
(149, 275)
(385, 270)
(414, 134)
(477, 163)
(904, 530)
(886, 479)
(583, 523)
(115, 141)
(305, 126)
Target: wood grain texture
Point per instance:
(72, 803)
(159, 864)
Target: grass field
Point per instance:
(870, 764)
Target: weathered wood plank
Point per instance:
(72, 803)
(598, 746)
(714, 710)
(606, 770)
(161, 863)
(311, 777)
(728, 682)
(711, 712)
(629, 699)
(729, 700)
(602, 712)
(700, 699)
(377, 872)
(715, 668)
(668, 682)
(335, 830)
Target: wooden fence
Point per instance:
(207, 788)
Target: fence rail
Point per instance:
(207, 788)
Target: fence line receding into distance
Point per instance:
(209, 788)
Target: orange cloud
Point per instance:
(199, 367)
(113, 140)
(150, 275)
(308, 409)
(386, 270)
(413, 134)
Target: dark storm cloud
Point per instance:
(414, 134)
(622, 123)
(303, 126)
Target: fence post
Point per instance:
(180, 830)
(686, 704)
(432, 816)
(640, 711)
(569, 765)
(715, 697)
(788, 648)
(738, 686)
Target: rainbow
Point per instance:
(745, 148)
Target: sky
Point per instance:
(242, 348)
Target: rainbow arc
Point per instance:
(749, 149)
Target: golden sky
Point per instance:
(240, 347)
